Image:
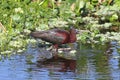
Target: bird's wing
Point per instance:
(55, 36)
(52, 37)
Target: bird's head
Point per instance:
(73, 30)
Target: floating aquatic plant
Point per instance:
(19, 18)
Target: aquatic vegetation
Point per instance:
(18, 18)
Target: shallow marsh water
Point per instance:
(94, 62)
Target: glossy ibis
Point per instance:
(56, 36)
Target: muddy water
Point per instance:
(93, 62)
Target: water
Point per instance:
(94, 62)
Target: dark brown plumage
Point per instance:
(56, 36)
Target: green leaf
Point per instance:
(114, 17)
(16, 17)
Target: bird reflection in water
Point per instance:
(62, 63)
(68, 65)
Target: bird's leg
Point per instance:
(56, 51)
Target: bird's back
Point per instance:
(55, 36)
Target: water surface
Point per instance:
(94, 62)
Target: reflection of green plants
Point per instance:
(19, 17)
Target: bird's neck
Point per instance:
(72, 36)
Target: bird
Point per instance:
(56, 36)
